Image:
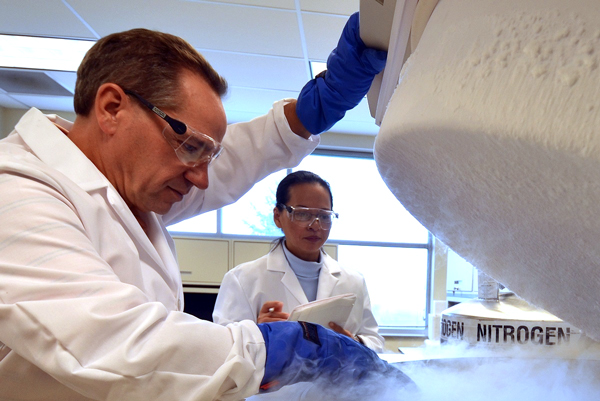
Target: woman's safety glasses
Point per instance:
(306, 216)
(191, 147)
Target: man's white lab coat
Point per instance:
(91, 305)
(246, 288)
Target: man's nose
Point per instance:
(198, 175)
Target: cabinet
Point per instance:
(204, 261)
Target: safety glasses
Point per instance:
(191, 147)
(306, 216)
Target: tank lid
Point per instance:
(508, 307)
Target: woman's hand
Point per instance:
(340, 330)
(271, 312)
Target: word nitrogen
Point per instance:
(510, 334)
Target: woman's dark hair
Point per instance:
(296, 178)
(282, 196)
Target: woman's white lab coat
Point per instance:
(248, 286)
(91, 305)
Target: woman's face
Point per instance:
(304, 242)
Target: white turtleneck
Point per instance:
(306, 271)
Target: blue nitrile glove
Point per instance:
(351, 67)
(302, 352)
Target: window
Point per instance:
(253, 213)
(202, 224)
(375, 235)
(397, 282)
(368, 210)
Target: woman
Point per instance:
(297, 270)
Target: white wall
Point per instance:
(4, 130)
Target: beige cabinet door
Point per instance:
(202, 261)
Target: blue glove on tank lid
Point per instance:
(302, 352)
(351, 68)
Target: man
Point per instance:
(90, 293)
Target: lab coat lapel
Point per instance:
(154, 244)
(141, 239)
(328, 277)
(293, 290)
(75, 165)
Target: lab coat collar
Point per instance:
(328, 277)
(56, 150)
(45, 146)
(277, 263)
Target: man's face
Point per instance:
(150, 175)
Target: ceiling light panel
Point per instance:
(33, 52)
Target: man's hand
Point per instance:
(301, 352)
(351, 67)
(289, 109)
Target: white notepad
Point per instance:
(334, 309)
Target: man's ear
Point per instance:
(110, 102)
(277, 217)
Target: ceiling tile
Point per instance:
(41, 18)
(14, 80)
(65, 78)
(255, 44)
(287, 4)
(10, 103)
(260, 71)
(216, 26)
(57, 103)
(254, 100)
(341, 7)
(322, 33)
